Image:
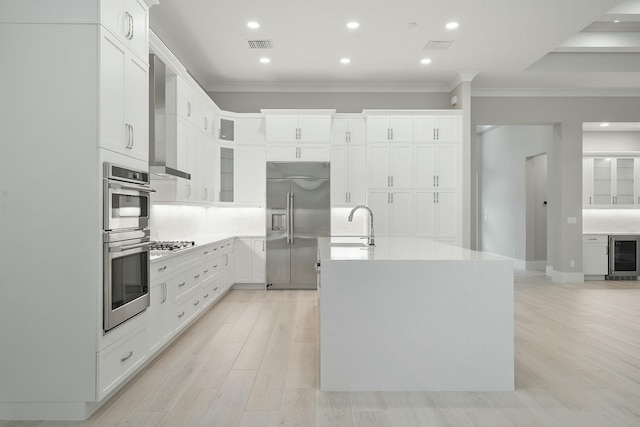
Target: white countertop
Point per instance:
(200, 242)
(395, 248)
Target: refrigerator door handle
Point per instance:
(288, 219)
(291, 210)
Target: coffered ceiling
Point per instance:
(499, 44)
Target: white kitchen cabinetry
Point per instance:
(390, 166)
(437, 214)
(389, 128)
(293, 153)
(595, 254)
(437, 128)
(348, 171)
(118, 361)
(129, 21)
(611, 182)
(250, 174)
(249, 260)
(392, 211)
(348, 131)
(124, 89)
(295, 129)
(226, 181)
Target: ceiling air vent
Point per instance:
(260, 44)
(438, 44)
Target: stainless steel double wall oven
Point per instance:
(127, 243)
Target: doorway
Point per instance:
(536, 213)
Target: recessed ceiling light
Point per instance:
(616, 21)
(452, 25)
(353, 25)
(253, 25)
(265, 60)
(345, 60)
(411, 25)
(604, 125)
(425, 61)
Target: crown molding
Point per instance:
(325, 87)
(461, 77)
(554, 92)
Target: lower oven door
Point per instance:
(624, 256)
(126, 280)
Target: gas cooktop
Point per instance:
(166, 247)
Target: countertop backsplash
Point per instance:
(610, 221)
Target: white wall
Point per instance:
(503, 182)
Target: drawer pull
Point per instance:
(182, 284)
(196, 276)
(215, 249)
(162, 268)
(215, 289)
(206, 296)
(206, 271)
(196, 303)
(206, 252)
(180, 315)
(124, 359)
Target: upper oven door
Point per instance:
(126, 206)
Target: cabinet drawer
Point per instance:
(162, 267)
(210, 290)
(186, 310)
(116, 362)
(187, 280)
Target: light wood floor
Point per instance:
(253, 361)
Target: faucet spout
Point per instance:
(371, 240)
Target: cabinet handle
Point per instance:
(590, 199)
(188, 109)
(437, 180)
(164, 293)
(127, 357)
(263, 246)
(300, 133)
(180, 315)
(392, 134)
(437, 197)
(164, 267)
(434, 197)
(215, 266)
(434, 180)
(391, 197)
(206, 122)
(438, 134)
(392, 180)
(132, 136)
(129, 34)
(206, 296)
(205, 253)
(388, 197)
(182, 284)
(215, 289)
(206, 271)
(197, 276)
(196, 303)
(348, 136)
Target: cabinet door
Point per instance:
(314, 129)
(378, 202)
(242, 256)
(448, 166)
(285, 153)
(625, 181)
(602, 182)
(448, 128)
(137, 107)
(424, 129)
(379, 166)
(185, 100)
(402, 213)
(378, 129)
(357, 171)
(401, 166)
(357, 131)
(258, 261)
(587, 182)
(114, 133)
(424, 165)
(250, 174)
(314, 153)
(340, 131)
(401, 130)
(425, 213)
(227, 166)
(137, 35)
(339, 175)
(282, 128)
(447, 212)
(595, 259)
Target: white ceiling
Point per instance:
(505, 44)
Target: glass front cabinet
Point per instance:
(611, 182)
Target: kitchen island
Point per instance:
(414, 314)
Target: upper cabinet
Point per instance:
(348, 131)
(389, 128)
(611, 182)
(124, 94)
(227, 130)
(128, 20)
(298, 128)
(437, 128)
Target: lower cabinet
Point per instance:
(118, 361)
(595, 254)
(437, 214)
(249, 260)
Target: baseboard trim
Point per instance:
(567, 277)
(252, 286)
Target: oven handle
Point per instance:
(128, 247)
(132, 187)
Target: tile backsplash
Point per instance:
(611, 221)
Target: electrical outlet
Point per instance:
(514, 252)
(572, 263)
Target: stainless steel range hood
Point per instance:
(160, 163)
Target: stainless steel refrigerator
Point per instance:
(298, 212)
